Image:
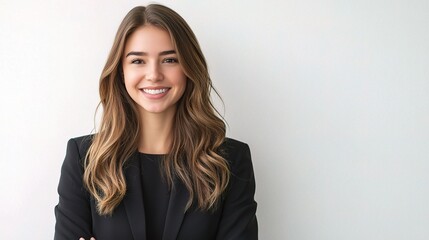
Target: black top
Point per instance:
(155, 194)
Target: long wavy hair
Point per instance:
(198, 130)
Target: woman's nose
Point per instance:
(154, 73)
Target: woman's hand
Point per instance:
(84, 238)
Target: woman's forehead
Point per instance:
(150, 40)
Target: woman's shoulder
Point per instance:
(237, 153)
(82, 143)
(233, 145)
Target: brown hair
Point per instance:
(198, 131)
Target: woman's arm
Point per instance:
(73, 212)
(238, 219)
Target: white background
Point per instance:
(332, 96)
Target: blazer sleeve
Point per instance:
(238, 220)
(73, 212)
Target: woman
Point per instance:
(160, 166)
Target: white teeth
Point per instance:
(155, 91)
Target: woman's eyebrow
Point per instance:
(167, 52)
(145, 54)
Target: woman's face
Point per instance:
(153, 76)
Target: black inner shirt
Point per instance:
(155, 195)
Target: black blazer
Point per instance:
(76, 214)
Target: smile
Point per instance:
(155, 91)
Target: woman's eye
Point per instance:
(137, 61)
(170, 60)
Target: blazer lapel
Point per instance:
(133, 199)
(176, 211)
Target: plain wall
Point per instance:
(332, 97)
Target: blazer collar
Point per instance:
(133, 199)
(176, 211)
(134, 205)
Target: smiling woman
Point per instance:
(160, 166)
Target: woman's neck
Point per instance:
(156, 132)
